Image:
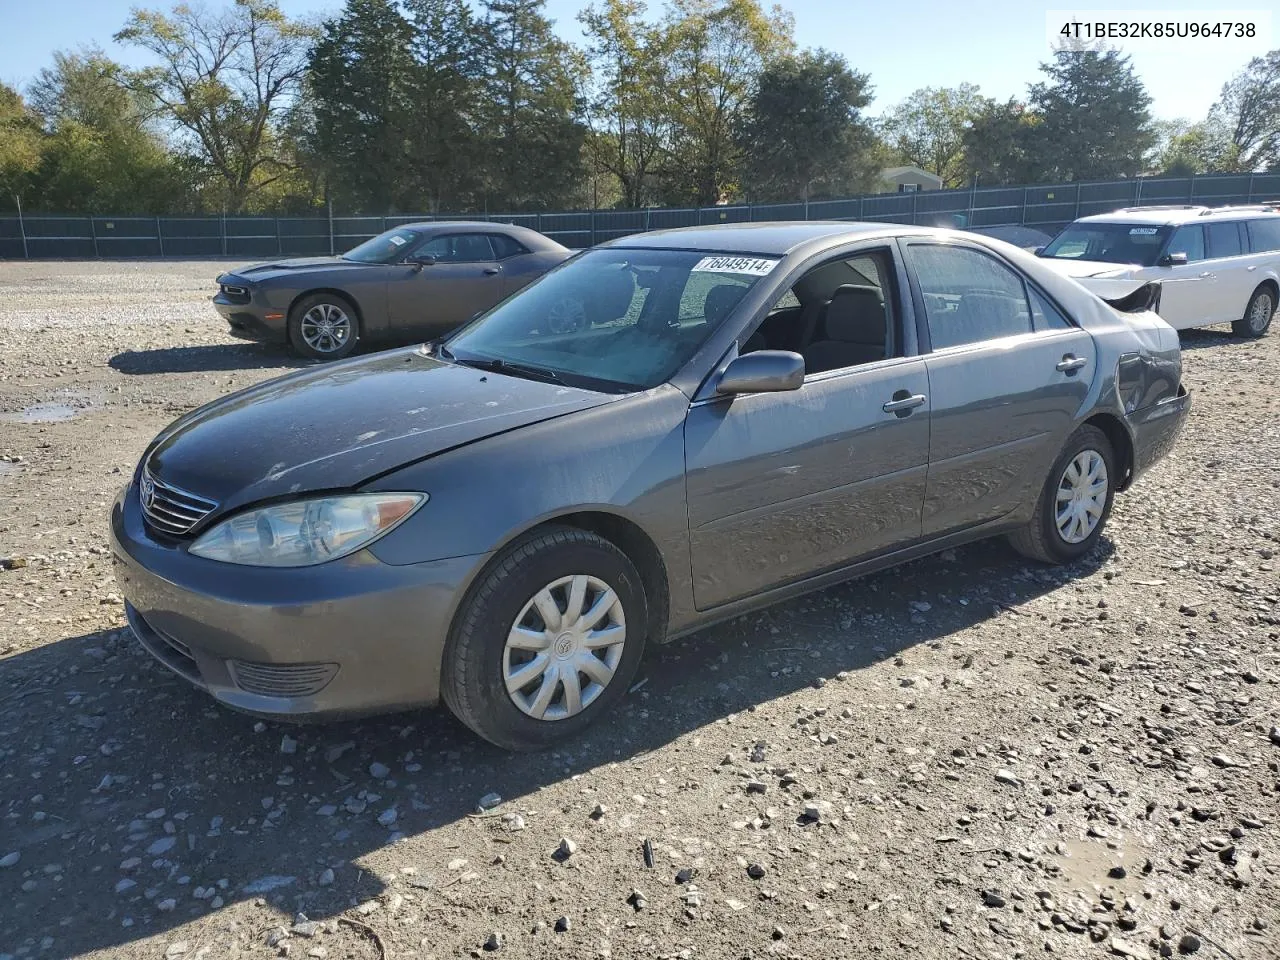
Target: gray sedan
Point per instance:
(410, 283)
(666, 431)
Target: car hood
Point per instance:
(278, 268)
(1089, 268)
(336, 426)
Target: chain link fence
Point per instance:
(1045, 207)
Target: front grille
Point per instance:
(170, 509)
(282, 679)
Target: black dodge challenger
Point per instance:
(414, 282)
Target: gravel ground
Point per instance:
(965, 757)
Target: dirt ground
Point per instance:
(968, 756)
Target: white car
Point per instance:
(1215, 265)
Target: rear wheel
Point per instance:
(1075, 502)
(1257, 316)
(547, 642)
(324, 326)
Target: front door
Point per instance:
(433, 299)
(784, 486)
(1190, 290)
(1008, 373)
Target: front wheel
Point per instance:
(324, 326)
(1074, 503)
(1257, 316)
(547, 642)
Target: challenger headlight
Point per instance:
(306, 532)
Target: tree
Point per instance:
(805, 129)
(927, 129)
(1247, 116)
(446, 98)
(1095, 122)
(101, 153)
(360, 91)
(629, 118)
(716, 55)
(225, 80)
(19, 144)
(528, 113)
(998, 144)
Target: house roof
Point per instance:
(915, 171)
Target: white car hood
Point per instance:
(1087, 273)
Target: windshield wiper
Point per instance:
(514, 369)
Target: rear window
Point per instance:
(1138, 243)
(1264, 234)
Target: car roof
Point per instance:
(530, 238)
(768, 239)
(1175, 216)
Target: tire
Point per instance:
(1041, 539)
(478, 657)
(307, 326)
(1257, 315)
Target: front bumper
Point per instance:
(252, 321)
(346, 638)
(1156, 428)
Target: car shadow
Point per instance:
(201, 359)
(1202, 337)
(137, 790)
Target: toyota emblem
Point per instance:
(148, 493)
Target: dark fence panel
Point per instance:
(1046, 207)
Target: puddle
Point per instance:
(51, 411)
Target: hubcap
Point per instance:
(326, 328)
(564, 647)
(1260, 315)
(1082, 496)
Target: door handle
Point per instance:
(490, 271)
(904, 404)
(1206, 275)
(1071, 363)
(1253, 268)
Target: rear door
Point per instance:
(1008, 374)
(1234, 267)
(432, 300)
(1190, 291)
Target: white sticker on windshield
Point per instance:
(1143, 231)
(398, 241)
(752, 266)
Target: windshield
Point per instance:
(612, 318)
(1108, 243)
(385, 247)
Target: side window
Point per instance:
(1188, 239)
(969, 296)
(1044, 315)
(458, 248)
(506, 247)
(1264, 234)
(838, 314)
(1224, 239)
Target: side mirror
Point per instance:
(1173, 259)
(421, 260)
(762, 371)
(1037, 251)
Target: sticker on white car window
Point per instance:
(398, 241)
(1143, 231)
(752, 266)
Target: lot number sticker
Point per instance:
(752, 266)
(1143, 231)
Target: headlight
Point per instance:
(306, 532)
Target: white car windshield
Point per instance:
(1136, 243)
(613, 319)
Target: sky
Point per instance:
(996, 44)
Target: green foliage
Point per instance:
(1245, 122)
(1094, 117)
(928, 129)
(224, 81)
(528, 109)
(19, 145)
(805, 135)
(999, 144)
